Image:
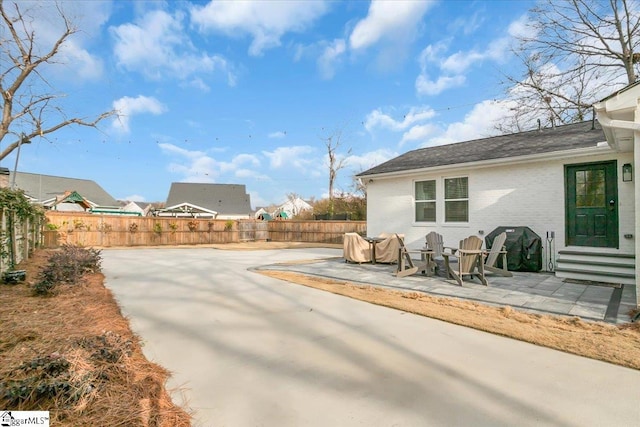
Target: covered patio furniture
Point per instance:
(387, 250)
(497, 250)
(356, 248)
(470, 260)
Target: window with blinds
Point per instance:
(425, 196)
(456, 199)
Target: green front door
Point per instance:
(592, 204)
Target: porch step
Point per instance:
(596, 266)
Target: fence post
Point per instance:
(25, 239)
(3, 239)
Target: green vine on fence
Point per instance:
(17, 202)
(16, 206)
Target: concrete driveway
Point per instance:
(249, 350)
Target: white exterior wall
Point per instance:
(529, 194)
(132, 207)
(233, 216)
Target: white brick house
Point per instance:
(528, 179)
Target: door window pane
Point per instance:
(590, 189)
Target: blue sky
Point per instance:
(244, 92)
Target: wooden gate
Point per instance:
(253, 230)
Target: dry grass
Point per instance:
(106, 379)
(619, 345)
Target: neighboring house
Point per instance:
(220, 201)
(293, 207)
(566, 183)
(141, 208)
(70, 201)
(186, 210)
(46, 189)
(262, 214)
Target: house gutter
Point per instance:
(608, 122)
(599, 149)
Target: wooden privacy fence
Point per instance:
(314, 231)
(18, 238)
(114, 230)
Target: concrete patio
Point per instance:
(246, 349)
(541, 293)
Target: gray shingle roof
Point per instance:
(560, 138)
(226, 199)
(45, 187)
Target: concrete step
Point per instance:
(608, 258)
(596, 266)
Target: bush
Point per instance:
(66, 266)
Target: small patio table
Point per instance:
(426, 256)
(372, 246)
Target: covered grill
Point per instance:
(524, 248)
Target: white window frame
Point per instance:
(434, 201)
(445, 200)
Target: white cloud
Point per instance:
(370, 159)
(239, 161)
(521, 27)
(378, 119)
(425, 86)
(432, 54)
(157, 46)
(466, 24)
(198, 166)
(126, 107)
(293, 157)
(277, 135)
(459, 62)
(265, 22)
(134, 198)
(257, 200)
(388, 20)
(85, 65)
(198, 84)
(450, 70)
(73, 60)
(480, 122)
(419, 133)
(330, 57)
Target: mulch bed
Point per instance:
(74, 354)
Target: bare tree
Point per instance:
(574, 52)
(333, 142)
(293, 198)
(359, 188)
(26, 103)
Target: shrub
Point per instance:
(66, 266)
(45, 378)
